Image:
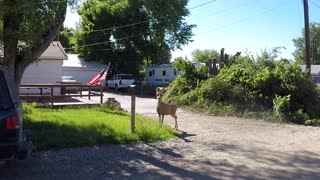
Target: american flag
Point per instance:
(96, 80)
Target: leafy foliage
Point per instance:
(189, 79)
(262, 82)
(203, 55)
(299, 53)
(66, 38)
(149, 30)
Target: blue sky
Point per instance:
(242, 25)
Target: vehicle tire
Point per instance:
(116, 88)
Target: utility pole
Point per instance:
(307, 38)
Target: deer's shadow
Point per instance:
(184, 135)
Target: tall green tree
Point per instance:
(299, 53)
(26, 30)
(146, 31)
(66, 38)
(202, 56)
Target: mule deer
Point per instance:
(165, 108)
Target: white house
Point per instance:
(315, 69)
(160, 75)
(81, 70)
(47, 70)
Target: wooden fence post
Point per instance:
(101, 94)
(226, 59)
(89, 93)
(51, 97)
(133, 108)
(209, 65)
(221, 58)
(214, 67)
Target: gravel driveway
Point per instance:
(209, 148)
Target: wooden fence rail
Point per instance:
(62, 87)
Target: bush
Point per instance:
(313, 122)
(263, 82)
(216, 90)
(179, 90)
(281, 106)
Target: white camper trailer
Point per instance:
(160, 75)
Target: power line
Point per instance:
(239, 21)
(98, 43)
(128, 25)
(119, 27)
(226, 10)
(142, 22)
(197, 6)
(315, 3)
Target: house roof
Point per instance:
(55, 51)
(77, 62)
(160, 65)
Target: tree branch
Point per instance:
(49, 36)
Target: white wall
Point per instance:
(43, 72)
(80, 74)
(158, 78)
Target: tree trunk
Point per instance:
(16, 64)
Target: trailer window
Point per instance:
(164, 73)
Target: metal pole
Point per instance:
(307, 38)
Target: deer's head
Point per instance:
(160, 91)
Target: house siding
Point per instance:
(43, 72)
(80, 74)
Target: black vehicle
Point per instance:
(14, 141)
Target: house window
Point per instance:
(150, 73)
(164, 73)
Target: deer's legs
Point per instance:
(162, 120)
(159, 119)
(175, 122)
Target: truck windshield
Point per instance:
(5, 99)
(127, 77)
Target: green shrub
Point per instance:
(190, 97)
(216, 90)
(299, 117)
(256, 84)
(281, 106)
(313, 122)
(180, 90)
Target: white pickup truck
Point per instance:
(119, 81)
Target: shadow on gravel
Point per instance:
(153, 161)
(184, 135)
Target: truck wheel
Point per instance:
(116, 88)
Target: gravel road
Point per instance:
(210, 148)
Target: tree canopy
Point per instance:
(129, 33)
(66, 38)
(299, 53)
(202, 56)
(26, 30)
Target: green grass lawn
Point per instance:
(88, 126)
